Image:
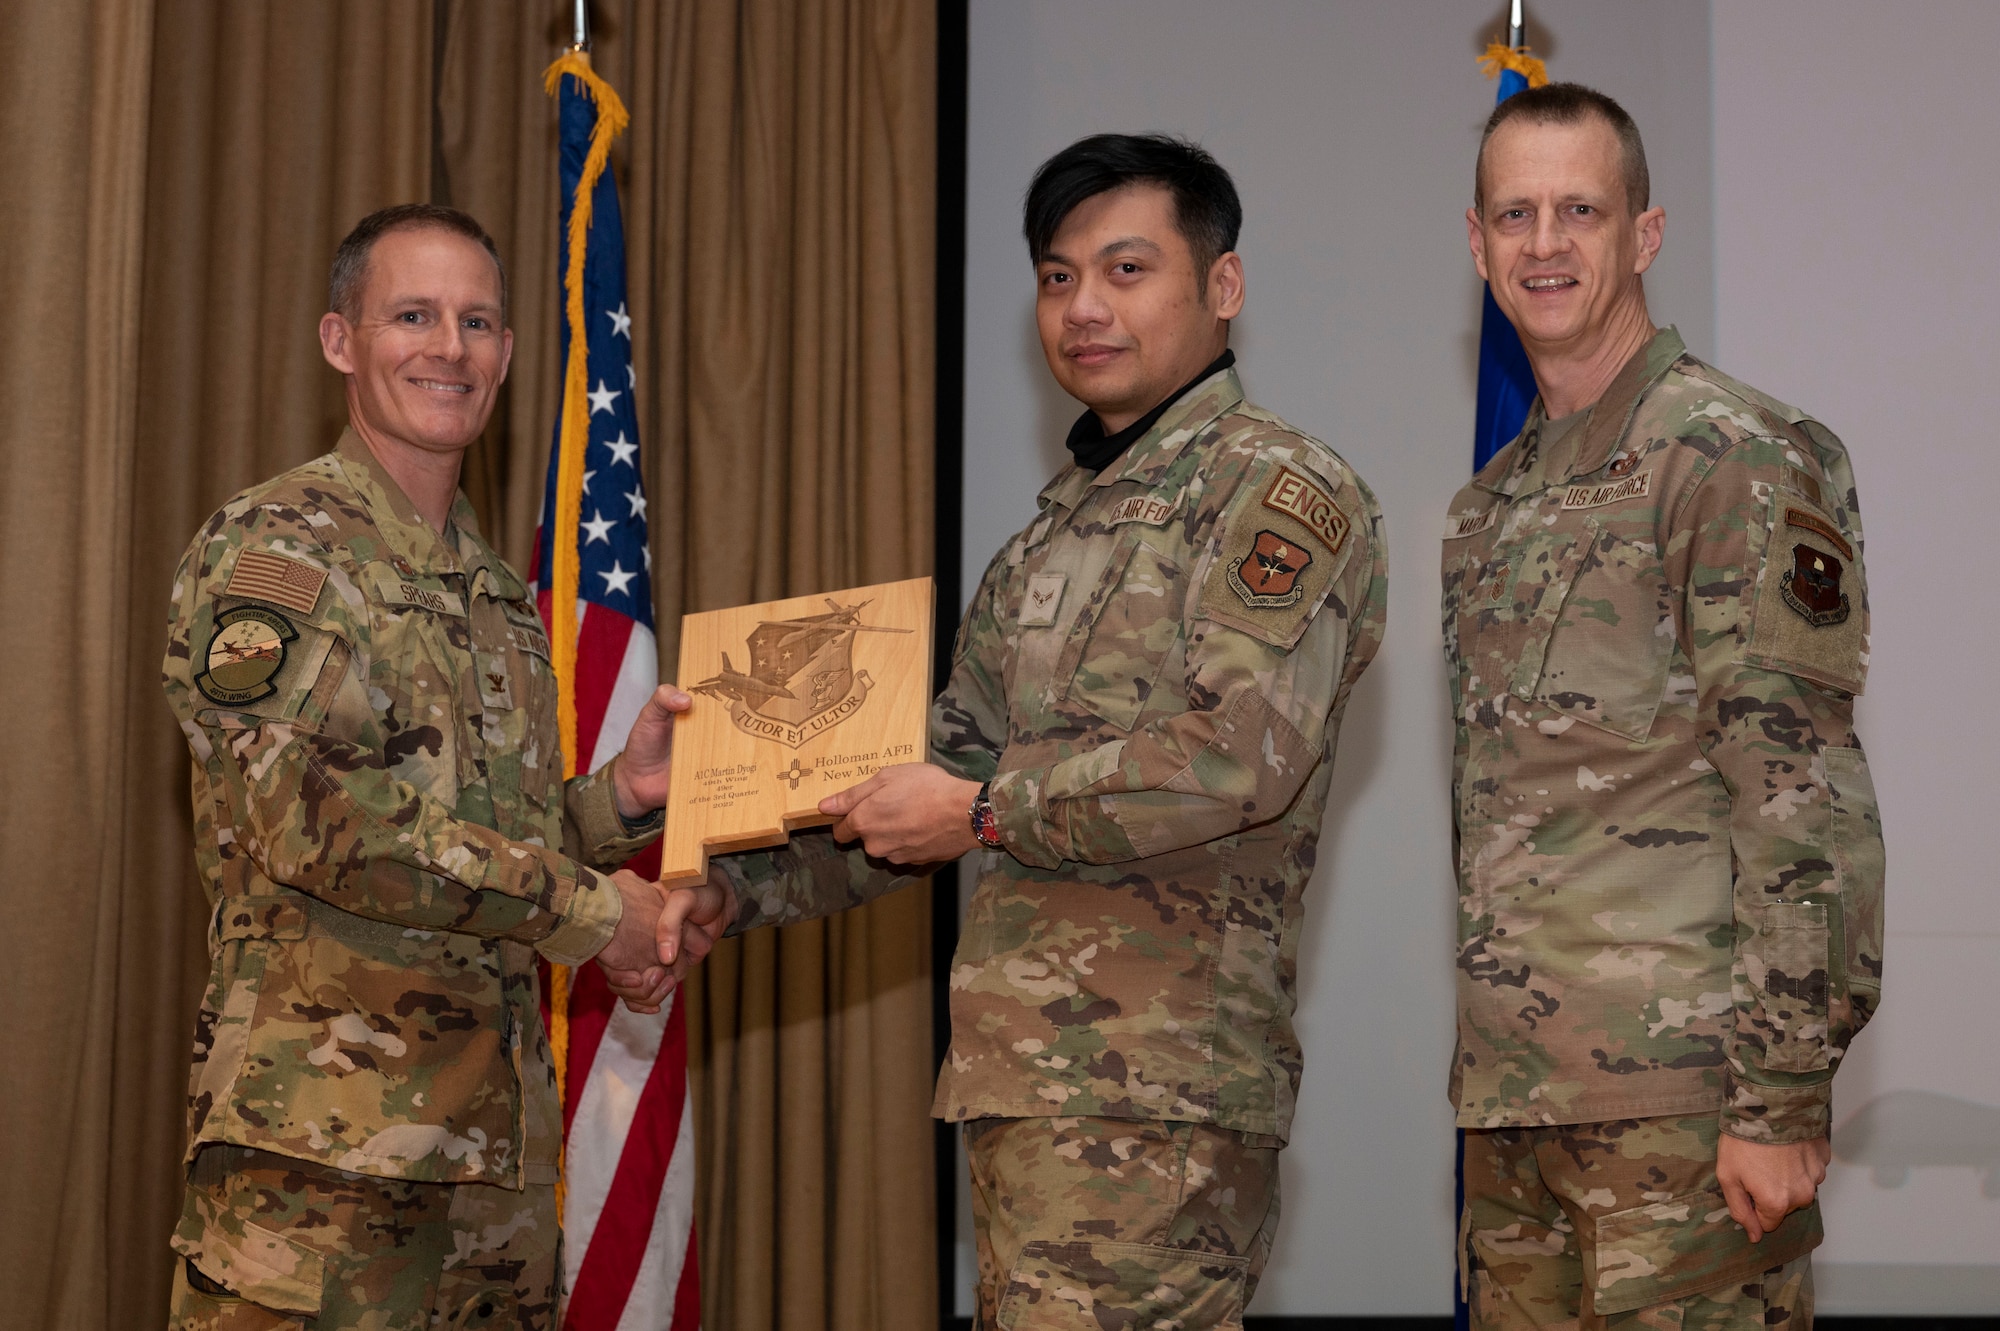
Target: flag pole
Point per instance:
(1517, 31)
(581, 24)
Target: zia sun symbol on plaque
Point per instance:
(802, 681)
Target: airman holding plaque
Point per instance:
(1137, 737)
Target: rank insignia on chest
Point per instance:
(1044, 598)
(1268, 575)
(244, 653)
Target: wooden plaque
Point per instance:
(793, 700)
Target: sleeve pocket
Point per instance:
(1859, 864)
(1787, 963)
(1672, 1249)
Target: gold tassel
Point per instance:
(1500, 56)
(563, 574)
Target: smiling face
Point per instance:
(1557, 242)
(425, 351)
(1123, 318)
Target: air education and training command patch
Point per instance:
(1277, 559)
(245, 653)
(1268, 576)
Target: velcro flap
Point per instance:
(261, 917)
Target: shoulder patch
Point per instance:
(1277, 559)
(1293, 494)
(264, 575)
(245, 653)
(1810, 618)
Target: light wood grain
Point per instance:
(793, 700)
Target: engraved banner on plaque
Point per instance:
(793, 700)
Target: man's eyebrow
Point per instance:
(1129, 243)
(1106, 251)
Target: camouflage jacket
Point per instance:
(1152, 677)
(378, 806)
(1669, 857)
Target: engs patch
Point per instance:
(244, 653)
(1295, 496)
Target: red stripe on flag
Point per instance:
(625, 1225)
(600, 654)
(687, 1294)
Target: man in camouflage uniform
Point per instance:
(1669, 858)
(1140, 723)
(387, 840)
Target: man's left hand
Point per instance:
(641, 772)
(912, 813)
(1765, 1182)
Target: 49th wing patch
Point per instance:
(244, 653)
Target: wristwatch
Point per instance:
(985, 822)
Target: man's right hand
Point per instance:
(634, 946)
(688, 927)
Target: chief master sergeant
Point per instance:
(1669, 857)
(387, 840)
(1139, 730)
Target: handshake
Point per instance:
(661, 935)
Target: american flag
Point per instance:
(628, 1213)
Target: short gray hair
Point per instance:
(349, 274)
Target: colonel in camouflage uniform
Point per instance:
(387, 841)
(1140, 722)
(1669, 857)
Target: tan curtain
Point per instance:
(178, 173)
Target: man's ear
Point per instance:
(1475, 236)
(1225, 285)
(506, 354)
(1652, 225)
(334, 332)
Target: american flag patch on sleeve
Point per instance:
(264, 576)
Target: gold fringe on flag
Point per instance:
(1500, 56)
(571, 442)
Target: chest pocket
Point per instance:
(1124, 636)
(418, 686)
(1508, 601)
(532, 682)
(1608, 657)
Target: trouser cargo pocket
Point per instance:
(1670, 1250)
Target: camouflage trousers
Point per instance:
(1107, 1224)
(269, 1242)
(1621, 1225)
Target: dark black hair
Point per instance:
(1571, 104)
(349, 274)
(1206, 209)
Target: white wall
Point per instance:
(1350, 129)
(1857, 276)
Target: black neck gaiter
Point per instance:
(1095, 450)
